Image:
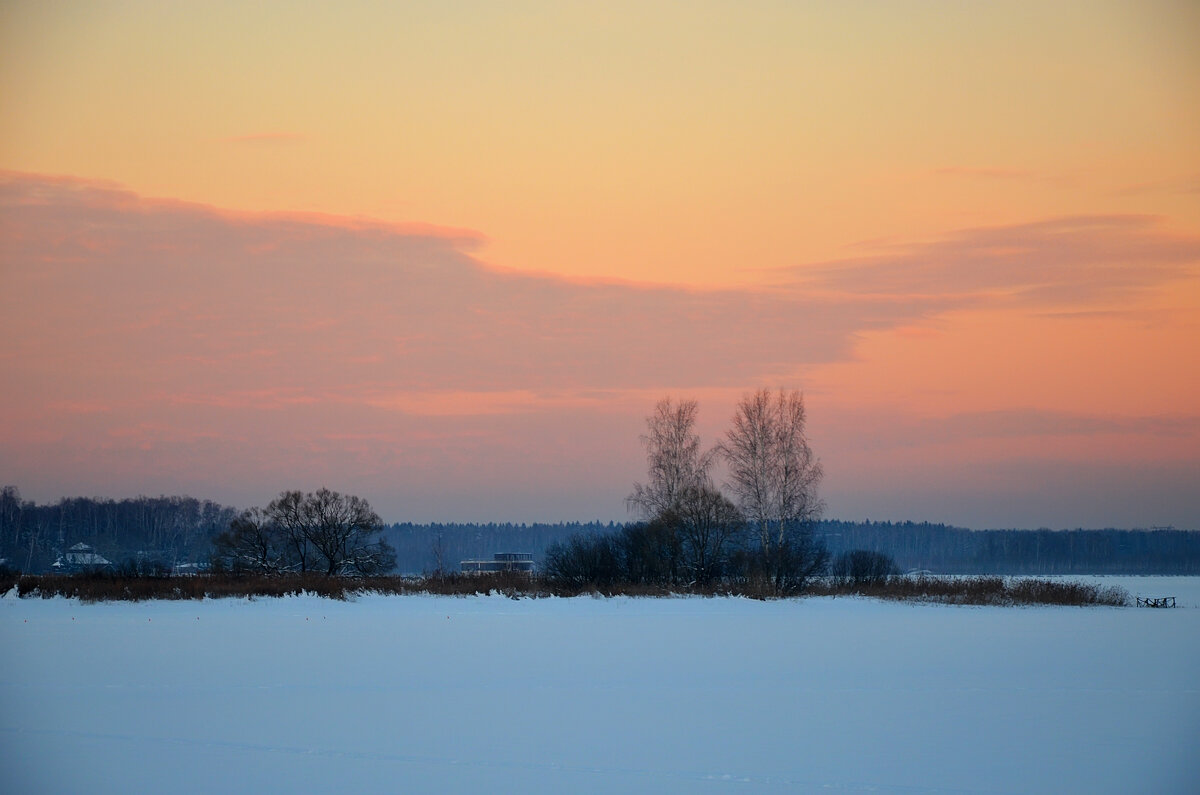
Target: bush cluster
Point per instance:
(984, 590)
(657, 557)
(947, 590)
(110, 587)
(863, 568)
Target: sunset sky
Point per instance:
(447, 256)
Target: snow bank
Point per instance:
(425, 694)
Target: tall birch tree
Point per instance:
(773, 473)
(676, 465)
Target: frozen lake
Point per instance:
(488, 694)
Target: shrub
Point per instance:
(8, 579)
(585, 563)
(97, 587)
(863, 568)
(983, 590)
(786, 568)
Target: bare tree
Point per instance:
(330, 531)
(708, 524)
(772, 470)
(749, 450)
(342, 530)
(253, 542)
(10, 515)
(774, 476)
(692, 525)
(675, 462)
(438, 548)
(287, 513)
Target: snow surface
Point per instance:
(489, 694)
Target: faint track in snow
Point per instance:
(723, 778)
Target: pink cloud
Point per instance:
(160, 346)
(1062, 261)
(181, 296)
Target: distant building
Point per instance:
(81, 557)
(501, 561)
(188, 569)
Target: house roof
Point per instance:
(84, 555)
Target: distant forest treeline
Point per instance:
(943, 549)
(426, 548)
(938, 548)
(169, 530)
(181, 529)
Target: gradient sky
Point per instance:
(448, 255)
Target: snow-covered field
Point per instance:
(488, 694)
